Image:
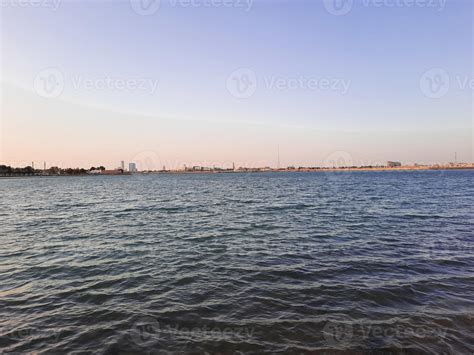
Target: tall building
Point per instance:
(122, 165)
(132, 167)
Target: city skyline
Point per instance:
(219, 84)
(339, 160)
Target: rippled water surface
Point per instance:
(228, 263)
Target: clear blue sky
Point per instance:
(380, 54)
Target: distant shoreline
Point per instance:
(302, 170)
(308, 170)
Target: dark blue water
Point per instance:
(230, 263)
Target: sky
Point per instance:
(216, 82)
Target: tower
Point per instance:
(278, 153)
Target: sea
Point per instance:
(238, 263)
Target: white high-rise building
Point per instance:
(122, 165)
(132, 167)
